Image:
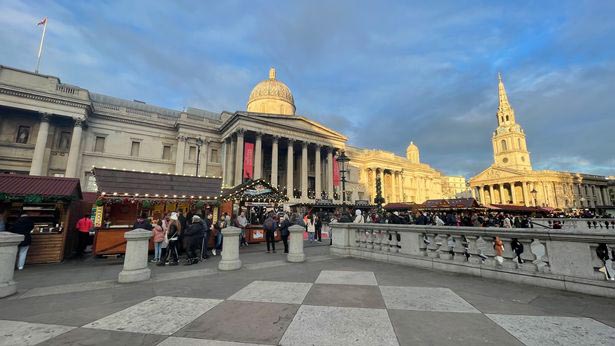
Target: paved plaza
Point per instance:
(325, 301)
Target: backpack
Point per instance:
(269, 225)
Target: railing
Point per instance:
(574, 224)
(557, 258)
(67, 89)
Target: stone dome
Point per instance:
(412, 153)
(271, 96)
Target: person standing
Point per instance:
(270, 225)
(243, 222)
(173, 235)
(84, 226)
(158, 240)
(311, 228)
(143, 223)
(193, 237)
(318, 228)
(285, 232)
(358, 217)
(24, 226)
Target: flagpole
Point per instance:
(40, 47)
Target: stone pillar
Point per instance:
(135, 261)
(481, 194)
(317, 172)
(501, 192)
(239, 158)
(290, 176)
(330, 173)
(75, 151)
(8, 254)
(181, 153)
(274, 162)
(526, 196)
(304, 170)
(393, 187)
(224, 162)
(230, 250)
(39, 147)
(491, 201)
(513, 197)
(598, 193)
(400, 174)
(295, 246)
(205, 160)
(258, 156)
(231, 162)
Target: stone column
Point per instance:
(304, 170)
(513, 197)
(231, 160)
(605, 196)
(501, 192)
(230, 251)
(317, 172)
(74, 151)
(8, 254)
(135, 261)
(400, 174)
(526, 196)
(295, 246)
(205, 160)
(274, 162)
(491, 201)
(258, 156)
(39, 147)
(598, 193)
(290, 157)
(181, 153)
(239, 158)
(224, 162)
(330, 173)
(481, 194)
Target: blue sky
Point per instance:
(382, 72)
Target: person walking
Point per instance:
(208, 228)
(270, 225)
(311, 228)
(84, 226)
(242, 221)
(318, 228)
(284, 231)
(158, 240)
(24, 225)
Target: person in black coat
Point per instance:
(285, 232)
(193, 237)
(24, 225)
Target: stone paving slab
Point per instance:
(351, 296)
(556, 330)
(158, 315)
(25, 333)
(424, 299)
(87, 337)
(273, 292)
(346, 278)
(177, 341)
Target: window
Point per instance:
(505, 160)
(99, 144)
(166, 152)
(519, 143)
(134, 149)
(64, 143)
(23, 134)
(214, 156)
(192, 153)
(504, 146)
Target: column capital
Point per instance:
(259, 134)
(79, 122)
(275, 138)
(45, 117)
(182, 138)
(240, 132)
(304, 144)
(290, 141)
(318, 145)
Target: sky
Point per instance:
(383, 73)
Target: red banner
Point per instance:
(336, 173)
(248, 161)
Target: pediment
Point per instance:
(497, 173)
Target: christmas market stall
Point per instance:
(53, 204)
(453, 204)
(519, 209)
(255, 198)
(123, 196)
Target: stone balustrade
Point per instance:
(555, 258)
(574, 223)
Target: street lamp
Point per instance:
(534, 194)
(199, 143)
(343, 160)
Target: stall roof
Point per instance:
(517, 208)
(453, 203)
(23, 185)
(253, 190)
(112, 181)
(402, 206)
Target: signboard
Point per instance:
(98, 216)
(258, 190)
(258, 234)
(361, 202)
(248, 161)
(258, 204)
(323, 201)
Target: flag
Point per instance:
(336, 173)
(248, 160)
(42, 22)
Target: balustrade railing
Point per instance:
(574, 223)
(551, 254)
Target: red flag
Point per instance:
(336, 173)
(42, 22)
(248, 160)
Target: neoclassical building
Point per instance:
(51, 128)
(511, 179)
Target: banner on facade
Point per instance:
(336, 173)
(248, 161)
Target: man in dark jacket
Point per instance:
(143, 223)
(285, 232)
(23, 226)
(193, 236)
(270, 225)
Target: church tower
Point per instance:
(509, 147)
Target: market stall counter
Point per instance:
(123, 196)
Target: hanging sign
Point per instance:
(248, 161)
(257, 190)
(336, 173)
(98, 216)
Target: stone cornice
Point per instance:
(31, 96)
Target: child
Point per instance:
(158, 239)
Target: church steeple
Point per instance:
(509, 146)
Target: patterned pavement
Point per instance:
(339, 307)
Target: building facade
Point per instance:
(511, 179)
(51, 128)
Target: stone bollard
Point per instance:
(295, 246)
(8, 253)
(135, 259)
(230, 249)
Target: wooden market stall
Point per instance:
(256, 198)
(124, 195)
(53, 204)
(453, 204)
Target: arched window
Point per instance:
(519, 142)
(504, 147)
(507, 118)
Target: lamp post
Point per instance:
(199, 143)
(534, 193)
(343, 160)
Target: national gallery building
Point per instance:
(55, 129)
(511, 179)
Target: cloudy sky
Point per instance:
(382, 72)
